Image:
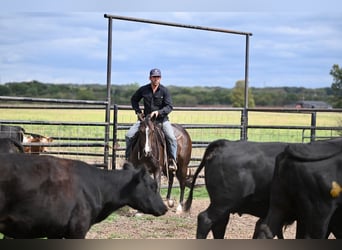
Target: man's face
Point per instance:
(155, 80)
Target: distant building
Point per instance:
(313, 105)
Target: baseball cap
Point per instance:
(155, 72)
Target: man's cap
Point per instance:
(155, 72)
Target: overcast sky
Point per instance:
(57, 44)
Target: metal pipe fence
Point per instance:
(80, 138)
(242, 130)
(85, 139)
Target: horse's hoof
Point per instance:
(179, 209)
(170, 203)
(138, 214)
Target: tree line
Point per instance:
(182, 96)
(187, 96)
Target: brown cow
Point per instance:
(36, 139)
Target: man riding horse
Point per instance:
(158, 104)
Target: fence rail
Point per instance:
(70, 144)
(202, 144)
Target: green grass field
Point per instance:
(183, 117)
(231, 118)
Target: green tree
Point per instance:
(85, 94)
(336, 86)
(238, 95)
(4, 90)
(184, 100)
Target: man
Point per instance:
(158, 103)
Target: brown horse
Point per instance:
(150, 148)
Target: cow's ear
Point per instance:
(139, 174)
(127, 166)
(142, 170)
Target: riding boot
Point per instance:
(128, 147)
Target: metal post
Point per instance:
(244, 116)
(109, 66)
(244, 124)
(313, 127)
(115, 135)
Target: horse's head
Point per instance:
(147, 136)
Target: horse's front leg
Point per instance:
(170, 202)
(181, 195)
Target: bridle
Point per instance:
(148, 129)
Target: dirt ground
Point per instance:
(171, 225)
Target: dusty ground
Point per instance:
(170, 226)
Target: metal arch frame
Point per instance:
(244, 116)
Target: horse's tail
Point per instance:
(188, 202)
(208, 154)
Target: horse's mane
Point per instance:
(157, 127)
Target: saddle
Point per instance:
(164, 143)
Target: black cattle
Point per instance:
(8, 145)
(46, 196)
(14, 132)
(307, 187)
(238, 176)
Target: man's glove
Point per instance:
(141, 116)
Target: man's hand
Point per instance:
(154, 114)
(141, 116)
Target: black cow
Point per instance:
(14, 132)
(238, 176)
(307, 187)
(8, 145)
(46, 196)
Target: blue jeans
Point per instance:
(169, 135)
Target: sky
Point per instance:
(66, 42)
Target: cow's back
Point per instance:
(52, 176)
(38, 169)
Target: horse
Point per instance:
(149, 148)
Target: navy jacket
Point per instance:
(160, 100)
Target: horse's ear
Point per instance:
(153, 119)
(128, 165)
